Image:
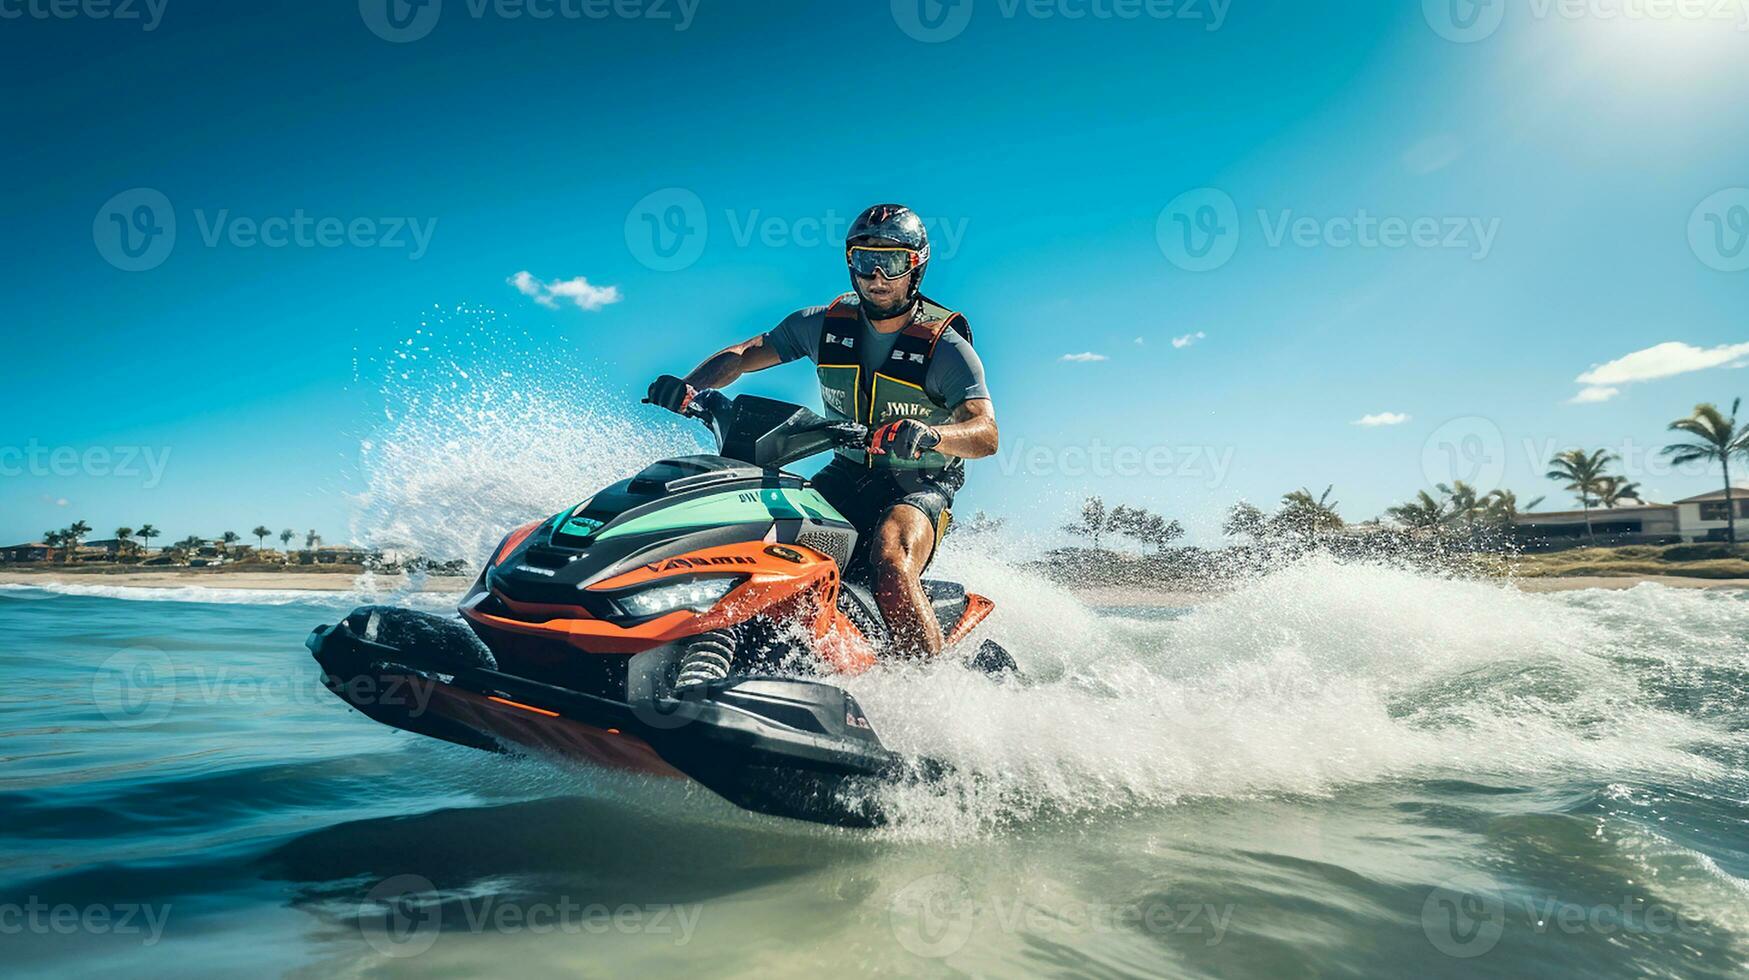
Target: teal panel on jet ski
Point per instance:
(731, 507)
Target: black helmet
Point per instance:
(899, 225)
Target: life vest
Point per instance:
(893, 391)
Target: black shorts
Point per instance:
(864, 495)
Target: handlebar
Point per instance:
(749, 420)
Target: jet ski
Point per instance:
(685, 623)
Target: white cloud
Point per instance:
(1588, 396)
(1662, 361)
(1382, 418)
(1188, 339)
(1085, 357)
(1139, 341)
(576, 291)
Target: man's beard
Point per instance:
(875, 311)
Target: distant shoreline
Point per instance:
(333, 578)
(345, 579)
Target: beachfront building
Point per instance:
(334, 554)
(1702, 517)
(34, 551)
(1698, 518)
(1641, 524)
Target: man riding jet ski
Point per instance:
(892, 359)
(660, 625)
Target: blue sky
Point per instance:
(1436, 222)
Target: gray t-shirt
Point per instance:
(955, 372)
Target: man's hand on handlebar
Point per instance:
(906, 439)
(671, 393)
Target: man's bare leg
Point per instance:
(903, 542)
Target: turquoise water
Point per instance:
(1337, 771)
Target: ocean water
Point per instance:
(1334, 771)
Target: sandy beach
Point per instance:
(302, 579)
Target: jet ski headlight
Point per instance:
(697, 594)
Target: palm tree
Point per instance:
(125, 535)
(262, 533)
(71, 537)
(1093, 523)
(1716, 440)
(53, 540)
(1501, 507)
(146, 533)
(1617, 489)
(1305, 513)
(1421, 513)
(1585, 477)
(1462, 501)
(311, 539)
(229, 538)
(285, 538)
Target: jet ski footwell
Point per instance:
(777, 745)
